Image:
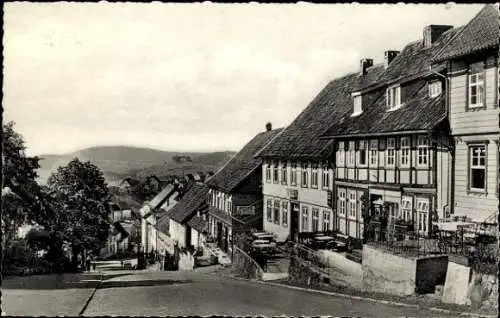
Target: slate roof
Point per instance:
(419, 112)
(300, 140)
(192, 200)
(481, 33)
(242, 164)
(158, 200)
(198, 223)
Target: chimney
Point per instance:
(389, 56)
(433, 32)
(269, 127)
(364, 65)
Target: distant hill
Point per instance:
(117, 162)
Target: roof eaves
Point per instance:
(389, 133)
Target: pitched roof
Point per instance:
(300, 140)
(419, 111)
(481, 33)
(125, 202)
(198, 223)
(192, 200)
(242, 164)
(157, 201)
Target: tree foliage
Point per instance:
(78, 192)
(20, 192)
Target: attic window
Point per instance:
(393, 97)
(435, 89)
(358, 107)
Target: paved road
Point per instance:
(184, 293)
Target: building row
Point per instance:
(416, 136)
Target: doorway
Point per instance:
(294, 220)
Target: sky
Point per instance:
(188, 77)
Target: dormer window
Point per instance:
(393, 97)
(435, 89)
(358, 106)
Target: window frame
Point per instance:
(357, 105)
(314, 175)
(325, 177)
(483, 167)
(276, 212)
(405, 148)
(304, 175)
(406, 212)
(423, 144)
(341, 154)
(435, 88)
(390, 148)
(315, 220)
(373, 153)
(342, 204)
(362, 153)
(268, 173)
(351, 154)
(284, 174)
(284, 213)
(293, 174)
(276, 176)
(352, 204)
(423, 223)
(477, 84)
(304, 216)
(326, 220)
(269, 210)
(393, 95)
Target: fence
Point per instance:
(481, 256)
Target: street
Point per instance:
(186, 293)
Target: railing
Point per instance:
(312, 259)
(411, 244)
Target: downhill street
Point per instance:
(187, 293)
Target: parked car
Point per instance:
(341, 243)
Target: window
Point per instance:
(293, 175)
(422, 151)
(391, 152)
(342, 202)
(326, 220)
(352, 204)
(277, 212)
(305, 219)
(435, 89)
(284, 176)
(284, 213)
(269, 210)
(393, 97)
(406, 208)
(358, 108)
(362, 153)
(275, 173)
(477, 167)
(405, 152)
(314, 176)
(326, 177)
(476, 90)
(423, 211)
(351, 155)
(341, 154)
(304, 175)
(268, 172)
(315, 220)
(373, 153)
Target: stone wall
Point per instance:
(301, 273)
(245, 266)
(387, 273)
(482, 291)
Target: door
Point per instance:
(188, 236)
(294, 220)
(219, 234)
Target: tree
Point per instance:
(79, 192)
(20, 192)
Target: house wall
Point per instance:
(475, 125)
(177, 233)
(286, 193)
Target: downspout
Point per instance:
(449, 180)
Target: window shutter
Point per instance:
(381, 144)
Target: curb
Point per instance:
(381, 301)
(82, 311)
